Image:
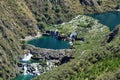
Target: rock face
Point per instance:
(57, 56)
(87, 2)
(91, 2)
(115, 33)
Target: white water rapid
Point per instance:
(27, 57)
(25, 70)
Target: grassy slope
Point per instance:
(17, 20)
(52, 12)
(13, 26)
(93, 59)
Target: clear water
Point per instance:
(23, 77)
(110, 19)
(49, 42)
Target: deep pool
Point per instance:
(110, 19)
(49, 42)
(23, 77)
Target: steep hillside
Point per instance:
(21, 18)
(16, 21)
(57, 11)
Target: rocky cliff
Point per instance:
(115, 33)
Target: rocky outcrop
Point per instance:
(91, 2)
(56, 56)
(114, 34)
(87, 2)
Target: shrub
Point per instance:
(46, 9)
(57, 9)
(1, 78)
(38, 18)
(41, 26)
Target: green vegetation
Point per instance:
(21, 18)
(1, 78)
(42, 63)
(16, 22)
(94, 58)
(56, 12)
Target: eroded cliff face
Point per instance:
(115, 33)
(20, 18)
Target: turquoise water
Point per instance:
(49, 42)
(29, 62)
(24, 77)
(110, 19)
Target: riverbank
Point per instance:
(118, 10)
(27, 38)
